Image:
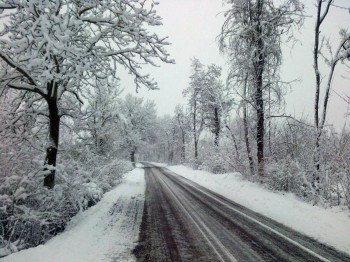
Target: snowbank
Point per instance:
(107, 231)
(141, 165)
(158, 164)
(330, 226)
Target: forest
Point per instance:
(68, 131)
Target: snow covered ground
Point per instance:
(330, 226)
(107, 231)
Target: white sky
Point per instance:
(192, 26)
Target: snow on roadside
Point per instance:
(141, 165)
(158, 164)
(330, 226)
(107, 231)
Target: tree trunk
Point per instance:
(170, 152)
(195, 129)
(259, 69)
(319, 20)
(234, 141)
(183, 149)
(171, 156)
(317, 88)
(195, 148)
(246, 138)
(269, 131)
(51, 152)
(260, 129)
(246, 130)
(132, 158)
(316, 175)
(217, 126)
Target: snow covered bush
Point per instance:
(212, 158)
(291, 167)
(335, 159)
(284, 175)
(30, 214)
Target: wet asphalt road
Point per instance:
(183, 221)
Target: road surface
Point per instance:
(183, 221)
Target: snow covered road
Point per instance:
(107, 231)
(183, 221)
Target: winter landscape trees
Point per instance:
(137, 124)
(65, 120)
(205, 96)
(54, 56)
(51, 50)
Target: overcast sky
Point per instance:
(192, 26)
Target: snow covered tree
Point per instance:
(167, 141)
(137, 120)
(252, 36)
(51, 50)
(171, 136)
(183, 126)
(97, 119)
(206, 100)
(212, 98)
(196, 110)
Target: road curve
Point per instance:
(183, 221)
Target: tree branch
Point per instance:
(34, 89)
(17, 68)
(290, 117)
